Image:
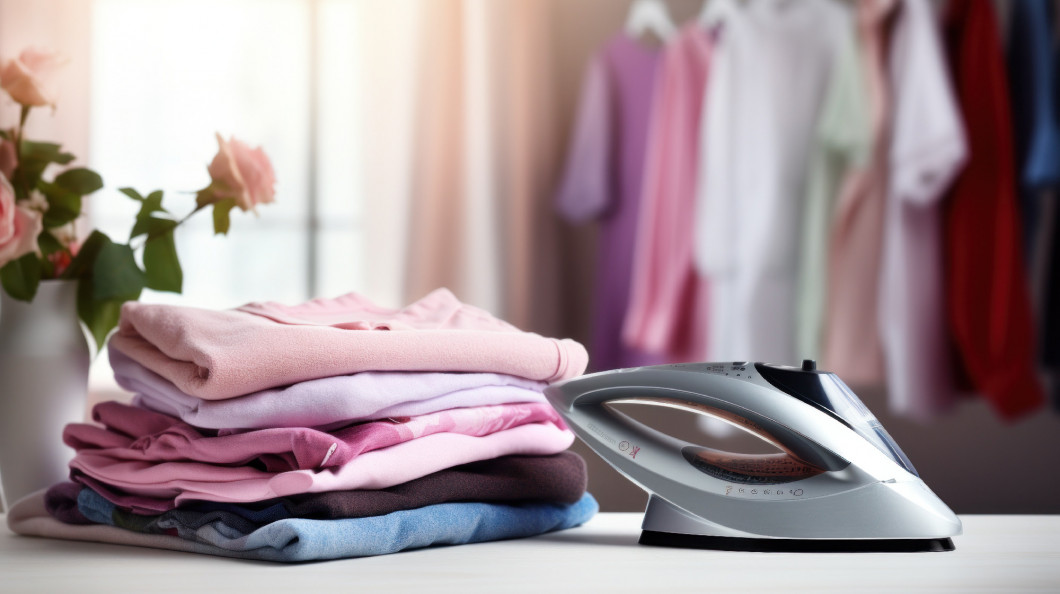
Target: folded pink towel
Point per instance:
(150, 487)
(223, 354)
(132, 433)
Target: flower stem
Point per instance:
(180, 222)
(20, 133)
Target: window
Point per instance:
(167, 74)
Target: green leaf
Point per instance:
(152, 204)
(221, 216)
(63, 204)
(21, 277)
(131, 193)
(34, 158)
(205, 197)
(152, 227)
(115, 274)
(48, 244)
(162, 265)
(79, 181)
(45, 151)
(101, 316)
(81, 267)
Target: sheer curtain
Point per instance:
(60, 25)
(490, 141)
(415, 142)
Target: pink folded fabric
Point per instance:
(154, 487)
(328, 402)
(223, 354)
(136, 434)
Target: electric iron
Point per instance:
(838, 483)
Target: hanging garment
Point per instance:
(840, 145)
(1049, 265)
(1031, 71)
(927, 151)
(851, 343)
(603, 181)
(668, 306)
(223, 354)
(986, 283)
(1051, 309)
(770, 71)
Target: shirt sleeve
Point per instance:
(585, 190)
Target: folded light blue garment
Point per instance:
(295, 539)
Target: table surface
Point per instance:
(995, 554)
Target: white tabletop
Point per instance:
(996, 554)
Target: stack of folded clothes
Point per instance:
(331, 429)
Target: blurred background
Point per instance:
(547, 160)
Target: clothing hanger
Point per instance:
(649, 16)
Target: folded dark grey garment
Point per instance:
(556, 479)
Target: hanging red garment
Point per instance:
(987, 292)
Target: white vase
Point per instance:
(44, 359)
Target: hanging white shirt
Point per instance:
(927, 151)
(769, 73)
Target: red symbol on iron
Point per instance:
(633, 452)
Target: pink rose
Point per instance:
(19, 227)
(27, 78)
(8, 158)
(243, 173)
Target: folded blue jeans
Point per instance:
(296, 539)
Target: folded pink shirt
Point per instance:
(150, 487)
(136, 434)
(223, 354)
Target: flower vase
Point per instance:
(44, 360)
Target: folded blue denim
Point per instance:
(294, 539)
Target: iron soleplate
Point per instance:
(791, 545)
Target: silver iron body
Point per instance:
(864, 494)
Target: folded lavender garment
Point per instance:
(326, 402)
(136, 434)
(152, 487)
(223, 354)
